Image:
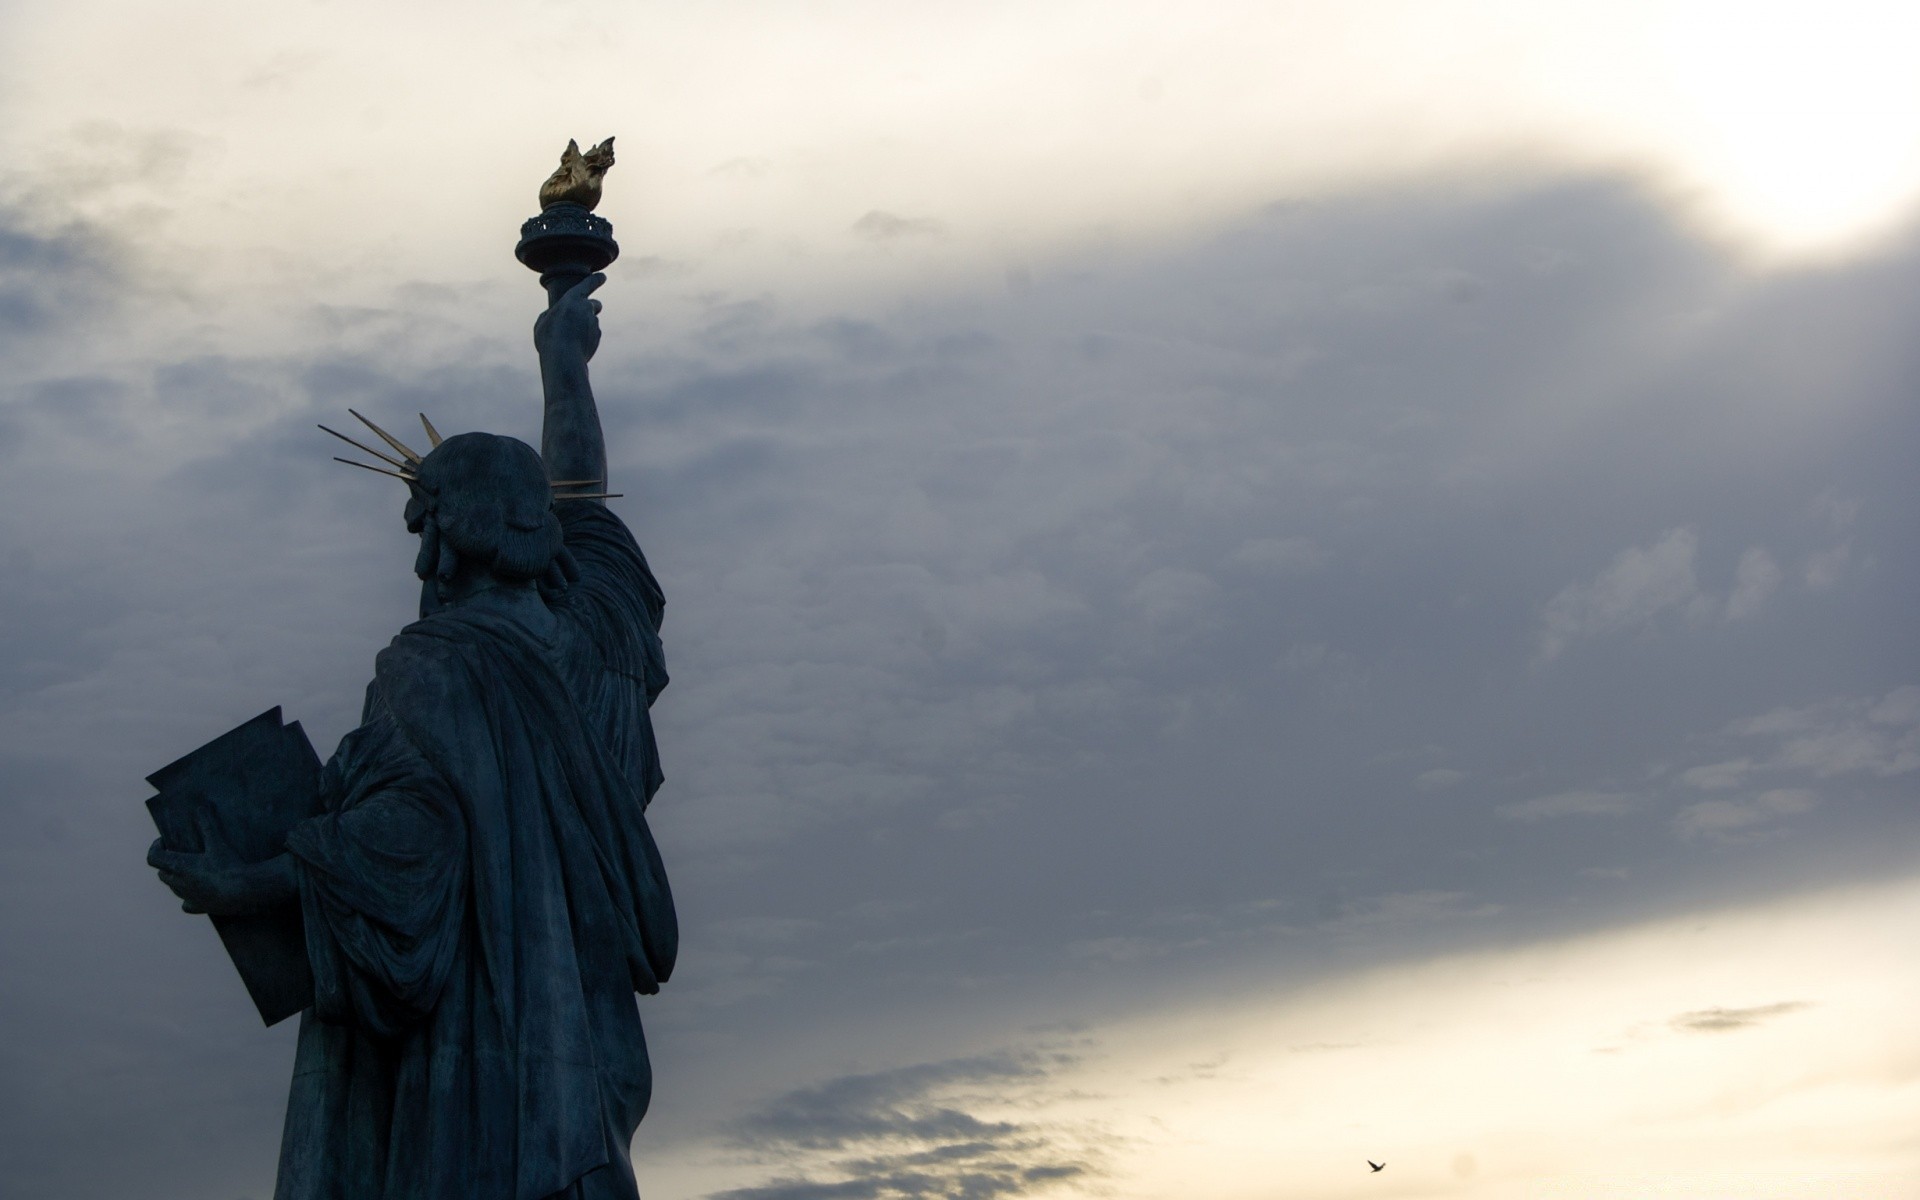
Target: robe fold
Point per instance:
(482, 898)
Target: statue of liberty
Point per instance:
(478, 894)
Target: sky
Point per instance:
(1251, 587)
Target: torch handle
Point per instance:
(559, 283)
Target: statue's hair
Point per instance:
(485, 499)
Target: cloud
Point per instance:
(1639, 585)
(1899, 708)
(908, 1132)
(766, 929)
(1573, 804)
(49, 272)
(1834, 511)
(1718, 777)
(1117, 949)
(1398, 910)
(885, 226)
(1753, 581)
(1826, 568)
(1726, 818)
(881, 1106)
(1858, 737)
(1843, 736)
(1279, 556)
(1338, 678)
(1171, 596)
(1438, 778)
(1728, 1020)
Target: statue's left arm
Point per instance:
(380, 874)
(208, 883)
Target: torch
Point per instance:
(566, 242)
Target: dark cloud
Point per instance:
(50, 268)
(884, 1105)
(88, 404)
(23, 251)
(1573, 804)
(1301, 383)
(1726, 1020)
(906, 1132)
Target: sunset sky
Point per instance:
(1251, 586)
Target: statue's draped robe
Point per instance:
(482, 898)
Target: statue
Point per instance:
(474, 894)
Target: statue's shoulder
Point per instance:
(430, 638)
(583, 520)
(614, 574)
(456, 644)
(426, 661)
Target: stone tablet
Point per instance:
(243, 792)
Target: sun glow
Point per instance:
(1799, 125)
(1765, 1052)
(1762, 1053)
(755, 137)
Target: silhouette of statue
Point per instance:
(478, 894)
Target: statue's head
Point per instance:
(482, 505)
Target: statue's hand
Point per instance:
(218, 885)
(572, 325)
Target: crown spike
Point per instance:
(433, 435)
(560, 483)
(592, 496)
(369, 449)
(380, 470)
(388, 438)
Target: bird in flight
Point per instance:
(1377, 1167)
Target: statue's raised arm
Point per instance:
(570, 246)
(566, 335)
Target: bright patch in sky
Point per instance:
(798, 148)
(1802, 121)
(1766, 1053)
